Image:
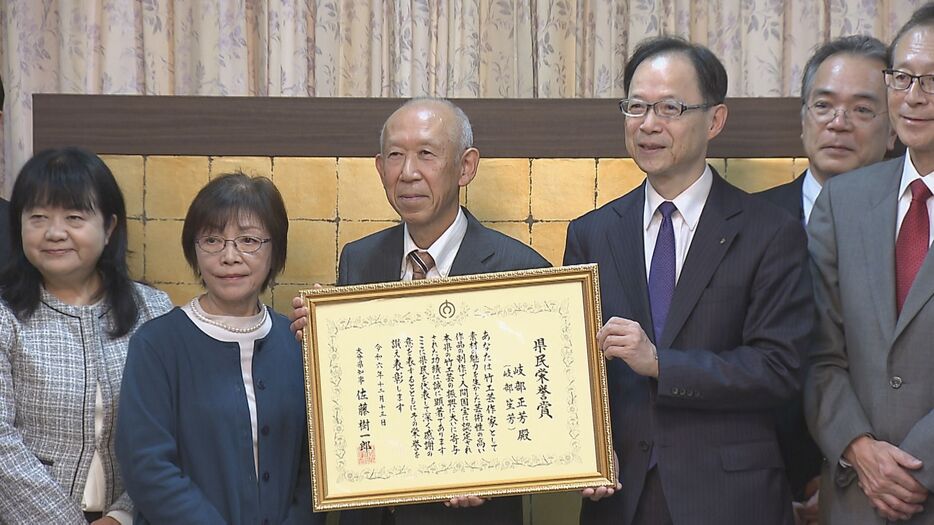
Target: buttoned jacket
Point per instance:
(871, 367)
(50, 367)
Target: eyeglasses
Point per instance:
(824, 113)
(665, 108)
(902, 81)
(243, 243)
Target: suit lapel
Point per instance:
(878, 236)
(628, 251)
(389, 268)
(474, 250)
(716, 230)
(798, 195)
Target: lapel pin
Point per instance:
(722, 240)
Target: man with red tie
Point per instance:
(869, 394)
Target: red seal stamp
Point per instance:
(366, 454)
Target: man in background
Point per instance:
(844, 126)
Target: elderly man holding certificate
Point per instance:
(426, 156)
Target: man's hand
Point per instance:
(883, 475)
(299, 315)
(626, 340)
(806, 513)
(464, 502)
(299, 319)
(598, 493)
(106, 520)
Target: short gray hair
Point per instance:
(856, 45)
(461, 135)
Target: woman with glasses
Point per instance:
(68, 309)
(212, 419)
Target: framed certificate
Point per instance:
(483, 385)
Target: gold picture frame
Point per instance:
(487, 385)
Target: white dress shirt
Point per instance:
(909, 174)
(810, 189)
(443, 250)
(690, 203)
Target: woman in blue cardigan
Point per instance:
(211, 427)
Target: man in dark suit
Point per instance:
(868, 395)
(843, 121)
(844, 127)
(706, 305)
(426, 156)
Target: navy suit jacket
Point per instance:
(378, 258)
(731, 353)
(802, 456)
(788, 196)
(5, 233)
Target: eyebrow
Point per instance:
(867, 95)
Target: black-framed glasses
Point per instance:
(243, 243)
(901, 80)
(824, 112)
(665, 108)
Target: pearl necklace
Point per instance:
(196, 309)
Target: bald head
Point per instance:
(453, 121)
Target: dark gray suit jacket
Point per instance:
(378, 258)
(730, 355)
(802, 456)
(788, 196)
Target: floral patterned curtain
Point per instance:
(456, 48)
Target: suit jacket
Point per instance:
(378, 258)
(48, 366)
(5, 246)
(731, 353)
(788, 196)
(802, 456)
(870, 367)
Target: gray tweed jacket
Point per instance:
(50, 367)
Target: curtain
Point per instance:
(395, 48)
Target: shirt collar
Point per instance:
(690, 202)
(810, 189)
(910, 173)
(443, 250)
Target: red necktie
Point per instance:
(911, 246)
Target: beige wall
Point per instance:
(332, 201)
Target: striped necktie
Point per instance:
(422, 263)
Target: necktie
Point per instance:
(421, 264)
(662, 270)
(911, 246)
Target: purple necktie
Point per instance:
(662, 270)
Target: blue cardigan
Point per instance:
(184, 440)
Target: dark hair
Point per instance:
(857, 45)
(229, 197)
(72, 179)
(923, 16)
(711, 75)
